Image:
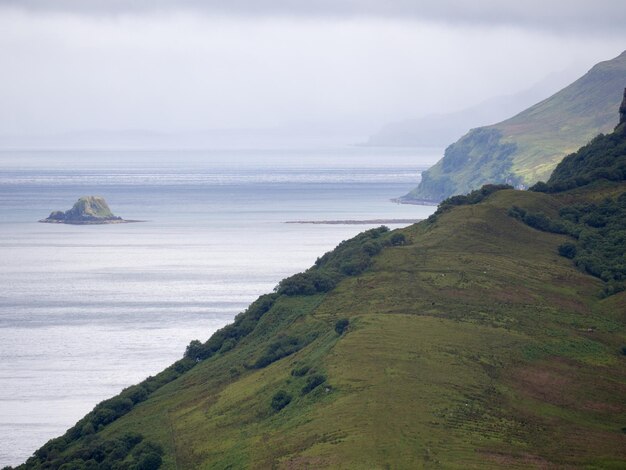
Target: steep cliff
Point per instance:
(527, 147)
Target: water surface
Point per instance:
(88, 310)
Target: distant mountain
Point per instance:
(527, 147)
(490, 336)
(438, 130)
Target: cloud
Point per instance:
(599, 16)
(177, 70)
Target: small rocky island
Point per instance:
(88, 210)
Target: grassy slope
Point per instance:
(559, 125)
(543, 134)
(467, 348)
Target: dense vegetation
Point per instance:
(53, 453)
(598, 228)
(128, 452)
(350, 258)
(604, 158)
(599, 231)
(473, 197)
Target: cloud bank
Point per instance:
(578, 16)
(71, 65)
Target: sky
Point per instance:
(349, 65)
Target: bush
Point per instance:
(312, 383)
(341, 325)
(537, 220)
(150, 461)
(473, 197)
(541, 222)
(280, 348)
(568, 250)
(371, 248)
(280, 400)
(397, 239)
(300, 371)
(307, 283)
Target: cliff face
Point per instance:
(87, 210)
(622, 110)
(527, 147)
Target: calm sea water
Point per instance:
(88, 310)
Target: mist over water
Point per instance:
(88, 310)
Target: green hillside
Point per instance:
(526, 148)
(470, 340)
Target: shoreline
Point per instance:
(355, 222)
(414, 202)
(89, 222)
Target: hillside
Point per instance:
(527, 147)
(470, 340)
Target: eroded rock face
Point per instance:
(87, 210)
(622, 110)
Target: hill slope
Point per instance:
(527, 147)
(464, 341)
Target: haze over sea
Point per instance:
(88, 310)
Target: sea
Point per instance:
(86, 311)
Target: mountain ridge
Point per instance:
(526, 148)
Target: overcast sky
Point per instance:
(193, 65)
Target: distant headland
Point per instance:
(88, 210)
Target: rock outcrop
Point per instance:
(622, 110)
(88, 210)
(526, 148)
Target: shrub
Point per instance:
(136, 393)
(397, 239)
(341, 325)
(149, 461)
(517, 213)
(568, 250)
(371, 248)
(280, 348)
(300, 371)
(473, 197)
(312, 383)
(280, 400)
(307, 283)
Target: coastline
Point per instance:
(89, 222)
(415, 202)
(355, 222)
